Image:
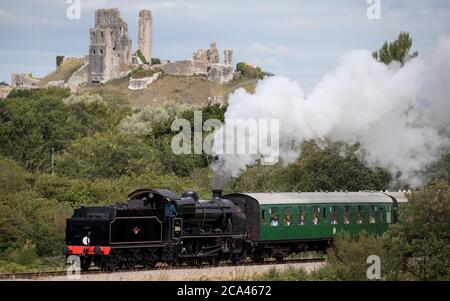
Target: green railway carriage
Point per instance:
(287, 222)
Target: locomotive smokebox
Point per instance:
(217, 194)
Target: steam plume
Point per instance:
(396, 113)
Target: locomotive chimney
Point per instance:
(217, 193)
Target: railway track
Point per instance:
(43, 274)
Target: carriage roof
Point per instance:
(276, 198)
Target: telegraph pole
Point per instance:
(53, 160)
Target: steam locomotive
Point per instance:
(156, 225)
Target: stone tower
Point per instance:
(228, 56)
(212, 54)
(110, 46)
(145, 34)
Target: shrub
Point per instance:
(59, 60)
(141, 56)
(156, 61)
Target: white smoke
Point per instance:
(394, 112)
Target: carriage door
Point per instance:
(177, 227)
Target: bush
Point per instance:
(419, 247)
(156, 61)
(106, 156)
(249, 70)
(59, 60)
(141, 56)
(26, 255)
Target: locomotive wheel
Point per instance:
(133, 258)
(279, 258)
(257, 258)
(213, 261)
(237, 259)
(149, 258)
(111, 263)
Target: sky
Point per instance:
(301, 40)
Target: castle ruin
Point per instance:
(111, 56)
(145, 34)
(205, 62)
(110, 48)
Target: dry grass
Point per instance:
(193, 90)
(64, 72)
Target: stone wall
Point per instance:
(79, 77)
(185, 68)
(142, 83)
(220, 73)
(23, 81)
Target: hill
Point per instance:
(63, 72)
(195, 90)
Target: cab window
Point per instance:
(273, 212)
(287, 221)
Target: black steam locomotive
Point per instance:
(156, 225)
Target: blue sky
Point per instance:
(298, 39)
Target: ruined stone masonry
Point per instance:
(110, 47)
(145, 42)
(23, 81)
(111, 57)
(205, 62)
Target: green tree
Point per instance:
(334, 167)
(419, 247)
(398, 50)
(106, 155)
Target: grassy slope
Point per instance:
(180, 89)
(64, 71)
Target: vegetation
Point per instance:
(250, 71)
(141, 57)
(103, 149)
(59, 60)
(156, 61)
(64, 71)
(396, 51)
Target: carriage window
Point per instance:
(315, 215)
(301, 216)
(273, 211)
(263, 216)
(324, 215)
(287, 217)
(373, 214)
(360, 215)
(381, 215)
(334, 215)
(347, 215)
(388, 215)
